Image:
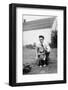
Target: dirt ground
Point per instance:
(29, 58)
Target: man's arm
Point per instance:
(47, 47)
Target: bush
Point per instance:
(30, 46)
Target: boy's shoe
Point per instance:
(40, 66)
(44, 65)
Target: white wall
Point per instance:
(4, 44)
(32, 36)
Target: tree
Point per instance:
(53, 43)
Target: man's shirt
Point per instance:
(40, 48)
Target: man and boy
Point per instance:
(42, 51)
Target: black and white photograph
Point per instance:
(39, 44)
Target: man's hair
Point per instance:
(40, 36)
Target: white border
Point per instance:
(20, 78)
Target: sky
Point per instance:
(28, 17)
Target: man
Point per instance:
(42, 51)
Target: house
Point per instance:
(33, 28)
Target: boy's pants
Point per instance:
(45, 60)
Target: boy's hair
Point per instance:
(40, 36)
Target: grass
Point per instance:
(29, 58)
